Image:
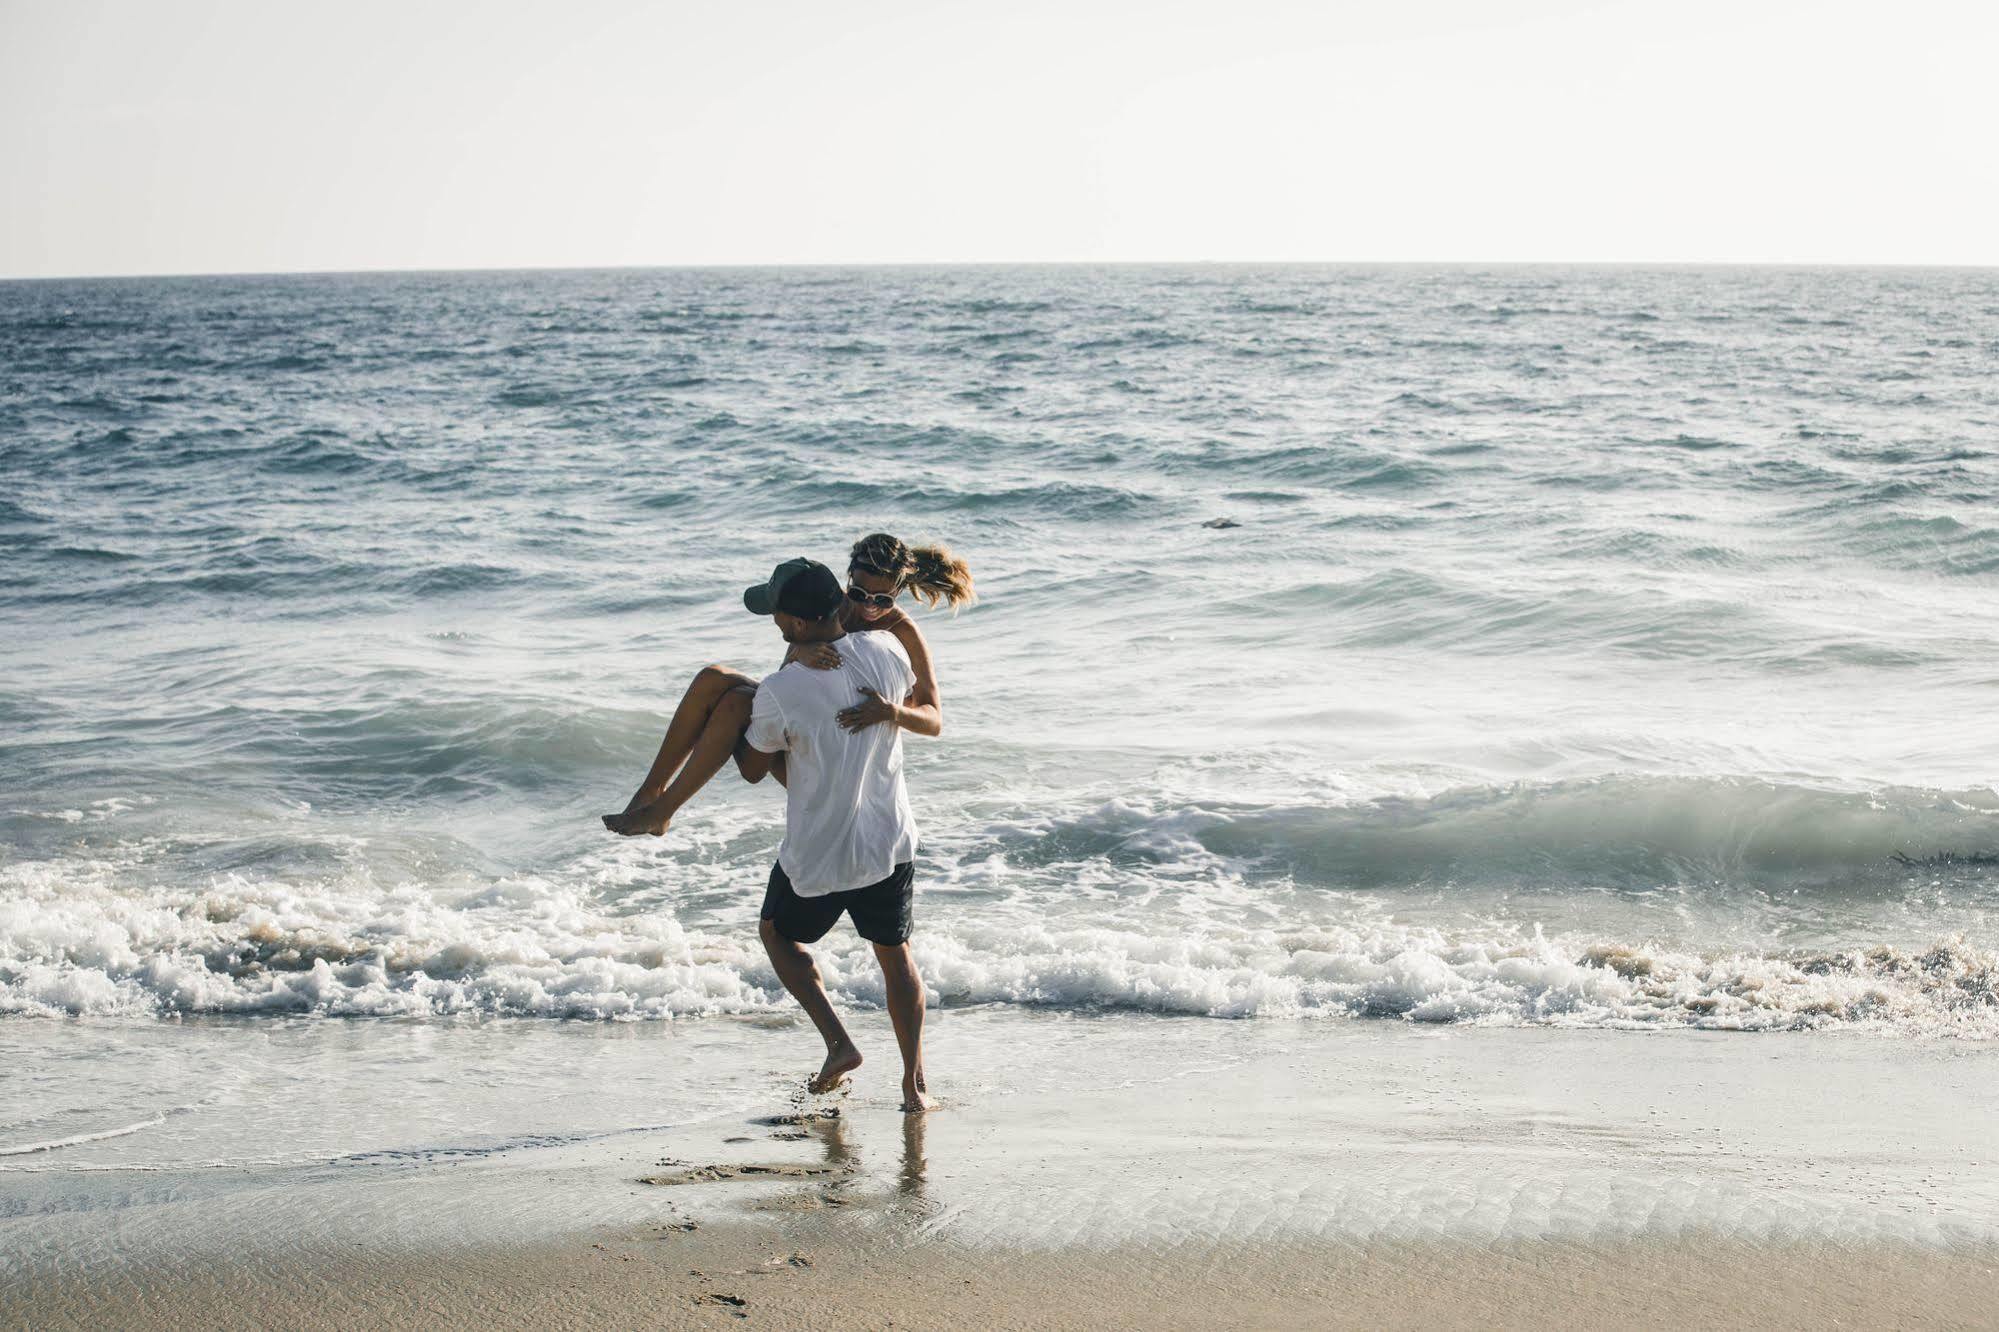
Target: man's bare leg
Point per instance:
(794, 966)
(710, 684)
(905, 1010)
(712, 748)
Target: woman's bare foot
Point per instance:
(647, 820)
(915, 1100)
(841, 1060)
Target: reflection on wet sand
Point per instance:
(838, 1178)
(910, 1185)
(849, 1181)
(842, 1161)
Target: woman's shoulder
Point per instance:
(901, 631)
(896, 622)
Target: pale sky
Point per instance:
(177, 136)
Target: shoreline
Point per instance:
(1110, 1172)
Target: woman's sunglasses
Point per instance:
(879, 600)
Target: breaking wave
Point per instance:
(73, 942)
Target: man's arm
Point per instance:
(761, 748)
(753, 763)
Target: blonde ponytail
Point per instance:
(936, 577)
(933, 575)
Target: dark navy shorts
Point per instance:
(883, 912)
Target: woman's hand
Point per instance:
(874, 708)
(814, 656)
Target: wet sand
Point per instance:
(1210, 1175)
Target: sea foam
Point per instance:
(75, 944)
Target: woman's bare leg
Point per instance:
(727, 721)
(689, 720)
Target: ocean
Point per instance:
(1587, 647)
(1475, 754)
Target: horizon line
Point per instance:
(1004, 263)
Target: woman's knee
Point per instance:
(713, 680)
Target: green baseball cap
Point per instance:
(801, 587)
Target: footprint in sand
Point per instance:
(799, 1118)
(733, 1303)
(712, 1173)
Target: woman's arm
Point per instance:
(922, 713)
(817, 656)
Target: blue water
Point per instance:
(1586, 644)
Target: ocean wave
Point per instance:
(1693, 443)
(1339, 464)
(1401, 607)
(315, 453)
(288, 361)
(1933, 543)
(1054, 499)
(1137, 339)
(1630, 831)
(90, 555)
(1652, 549)
(447, 580)
(72, 943)
(103, 405)
(441, 748)
(542, 395)
(988, 305)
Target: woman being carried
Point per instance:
(714, 712)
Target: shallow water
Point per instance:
(1587, 643)
(1057, 1131)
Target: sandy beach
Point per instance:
(1119, 1173)
(813, 1275)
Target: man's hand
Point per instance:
(870, 710)
(814, 656)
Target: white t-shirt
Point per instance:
(847, 821)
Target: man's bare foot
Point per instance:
(915, 1100)
(841, 1060)
(647, 820)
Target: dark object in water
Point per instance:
(1944, 859)
(1221, 522)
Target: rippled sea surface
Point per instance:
(1591, 647)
